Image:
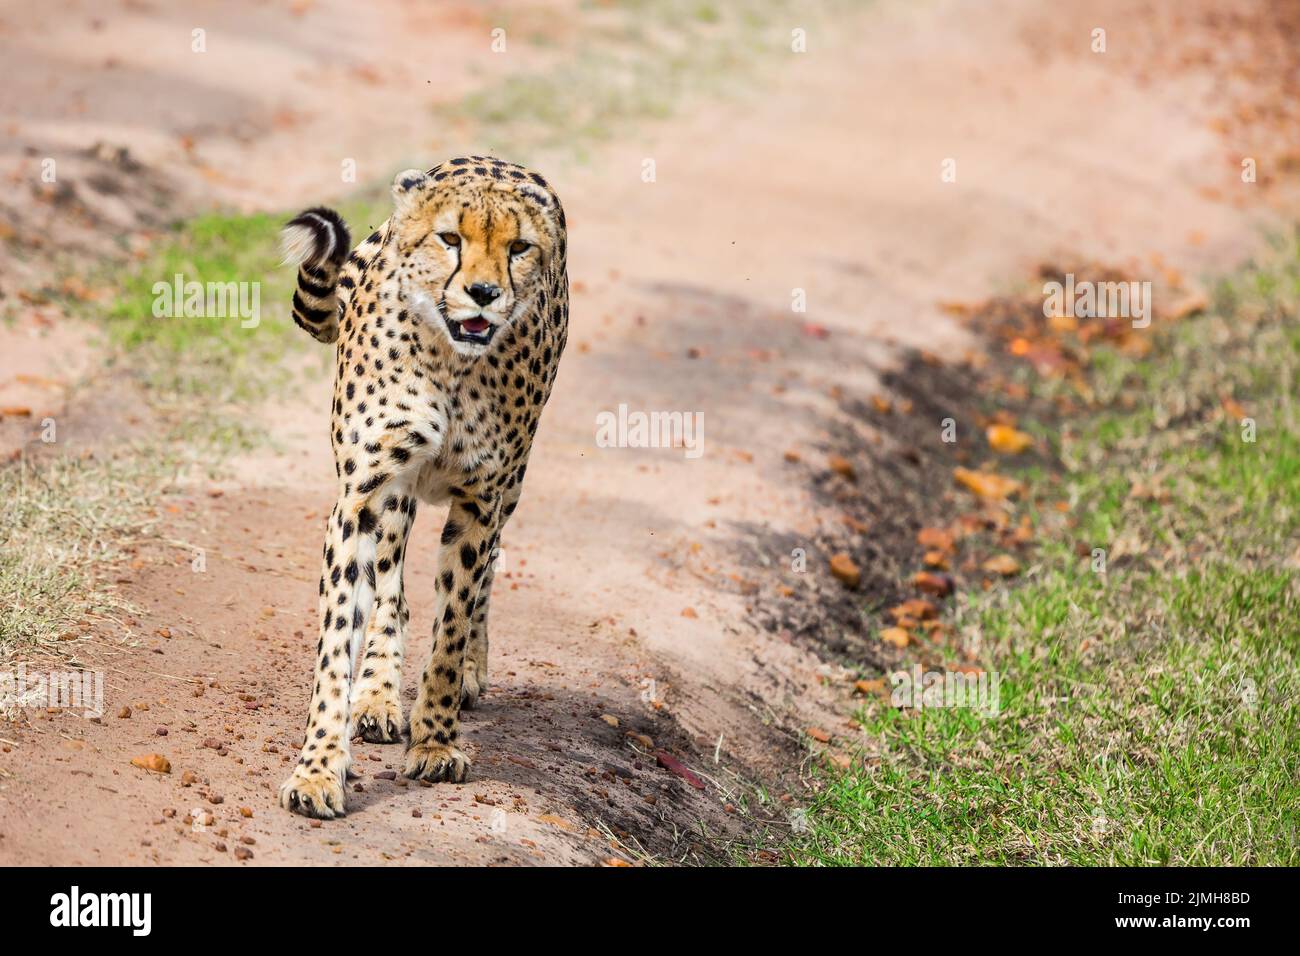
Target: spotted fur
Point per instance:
(450, 320)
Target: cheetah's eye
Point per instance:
(450, 238)
(519, 247)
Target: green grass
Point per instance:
(216, 358)
(66, 521)
(638, 62)
(1149, 714)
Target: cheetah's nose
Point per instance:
(483, 293)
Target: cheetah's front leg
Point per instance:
(347, 590)
(476, 652)
(475, 680)
(463, 560)
(376, 693)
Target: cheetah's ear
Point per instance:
(408, 185)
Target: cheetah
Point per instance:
(449, 322)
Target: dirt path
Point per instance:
(622, 595)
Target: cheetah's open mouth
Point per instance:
(477, 329)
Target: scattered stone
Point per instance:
(842, 467)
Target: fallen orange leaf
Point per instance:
(896, 636)
(1233, 407)
(934, 538)
(1008, 440)
(919, 608)
(936, 584)
(986, 484)
(843, 567)
(1003, 564)
(155, 763)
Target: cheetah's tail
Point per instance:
(318, 242)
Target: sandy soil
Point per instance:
(623, 596)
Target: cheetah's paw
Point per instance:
(472, 686)
(313, 793)
(430, 760)
(377, 719)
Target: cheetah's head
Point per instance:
(473, 250)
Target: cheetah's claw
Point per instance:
(378, 730)
(317, 795)
(434, 761)
(377, 720)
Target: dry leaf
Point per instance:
(845, 570)
(939, 585)
(155, 763)
(861, 527)
(1008, 440)
(986, 484)
(897, 636)
(673, 765)
(1003, 564)
(1233, 408)
(816, 733)
(555, 821)
(918, 608)
(935, 539)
